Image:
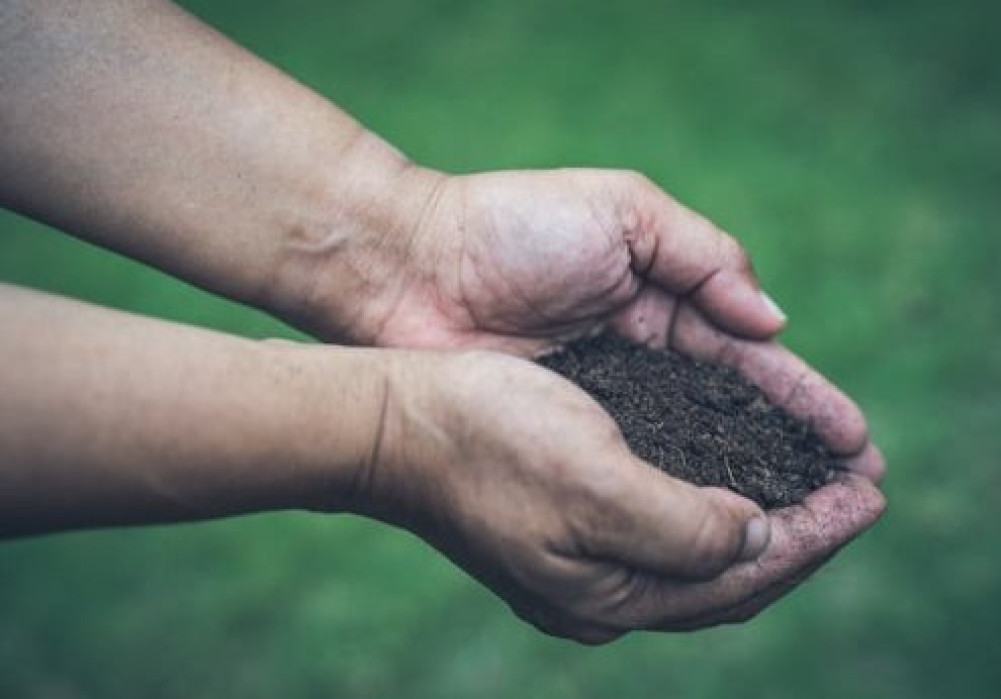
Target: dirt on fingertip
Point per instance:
(700, 422)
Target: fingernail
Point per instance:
(773, 307)
(756, 536)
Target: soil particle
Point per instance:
(700, 422)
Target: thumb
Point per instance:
(687, 255)
(669, 527)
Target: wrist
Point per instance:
(407, 424)
(336, 276)
(334, 405)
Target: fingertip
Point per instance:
(757, 530)
(677, 529)
(773, 308)
(847, 506)
(733, 530)
(805, 394)
(872, 498)
(869, 463)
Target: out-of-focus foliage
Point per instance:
(855, 147)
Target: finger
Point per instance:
(869, 463)
(646, 320)
(283, 342)
(743, 611)
(749, 609)
(784, 378)
(685, 253)
(558, 623)
(803, 537)
(652, 522)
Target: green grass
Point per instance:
(854, 147)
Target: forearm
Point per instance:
(133, 125)
(107, 418)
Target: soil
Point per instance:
(700, 422)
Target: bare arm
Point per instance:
(133, 125)
(108, 418)
(130, 124)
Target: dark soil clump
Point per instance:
(700, 422)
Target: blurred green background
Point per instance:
(855, 147)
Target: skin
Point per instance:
(221, 170)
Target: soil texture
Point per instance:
(697, 421)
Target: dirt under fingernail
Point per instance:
(701, 422)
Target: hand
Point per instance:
(521, 479)
(523, 261)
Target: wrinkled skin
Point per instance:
(581, 538)
(532, 490)
(137, 128)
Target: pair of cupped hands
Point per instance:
(513, 472)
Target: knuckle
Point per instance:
(595, 636)
(559, 626)
(542, 620)
(730, 252)
(636, 179)
(598, 612)
(738, 254)
(608, 435)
